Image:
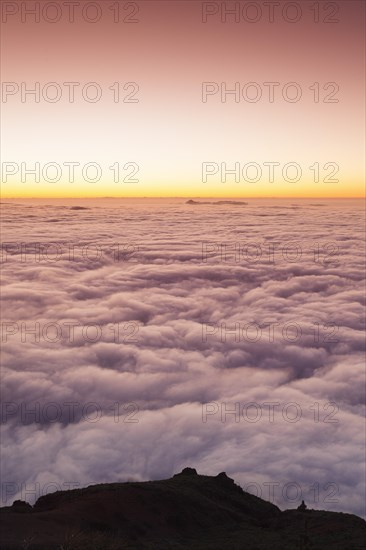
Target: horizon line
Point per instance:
(183, 197)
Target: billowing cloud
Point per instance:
(139, 338)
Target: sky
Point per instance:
(148, 112)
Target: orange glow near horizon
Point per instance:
(354, 190)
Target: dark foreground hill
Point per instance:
(186, 511)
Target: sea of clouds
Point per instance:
(140, 337)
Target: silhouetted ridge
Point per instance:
(188, 510)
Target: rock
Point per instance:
(20, 506)
(302, 507)
(188, 472)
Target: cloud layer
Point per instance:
(140, 337)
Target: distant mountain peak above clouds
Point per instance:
(223, 203)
